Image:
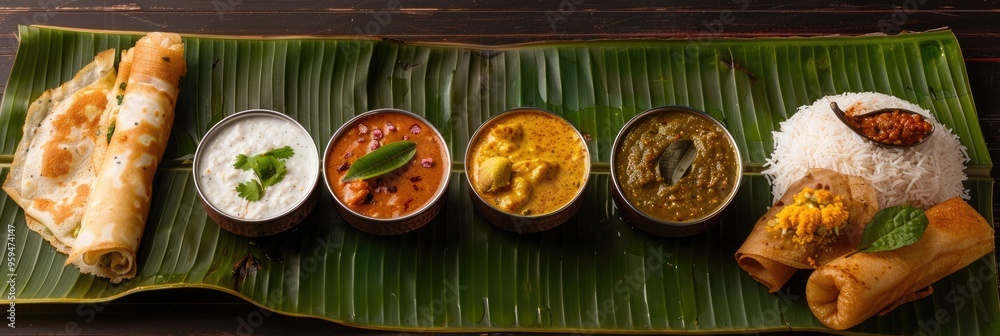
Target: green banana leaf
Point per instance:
(596, 273)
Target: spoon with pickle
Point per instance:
(890, 127)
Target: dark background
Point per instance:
(487, 22)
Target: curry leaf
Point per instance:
(676, 159)
(892, 228)
(382, 160)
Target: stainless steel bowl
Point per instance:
(398, 225)
(514, 222)
(254, 227)
(653, 225)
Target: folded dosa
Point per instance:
(772, 259)
(51, 175)
(849, 290)
(116, 212)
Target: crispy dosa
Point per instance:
(116, 212)
(772, 259)
(849, 290)
(109, 115)
(51, 175)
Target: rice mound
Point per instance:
(814, 137)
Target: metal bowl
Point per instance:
(651, 224)
(397, 225)
(521, 223)
(262, 226)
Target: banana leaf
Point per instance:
(595, 273)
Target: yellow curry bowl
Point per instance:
(674, 170)
(526, 169)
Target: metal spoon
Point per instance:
(846, 120)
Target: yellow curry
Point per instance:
(528, 163)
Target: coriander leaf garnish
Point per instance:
(892, 228)
(250, 190)
(275, 173)
(269, 167)
(241, 162)
(281, 153)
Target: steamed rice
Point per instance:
(921, 176)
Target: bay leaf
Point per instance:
(676, 159)
(382, 160)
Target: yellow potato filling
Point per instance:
(816, 216)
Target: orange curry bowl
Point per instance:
(401, 200)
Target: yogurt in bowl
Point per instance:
(256, 171)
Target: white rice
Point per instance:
(921, 176)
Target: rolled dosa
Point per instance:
(51, 175)
(772, 259)
(116, 212)
(849, 290)
(109, 115)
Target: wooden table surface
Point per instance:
(485, 22)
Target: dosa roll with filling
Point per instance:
(117, 210)
(847, 291)
(772, 254)
(51, 176)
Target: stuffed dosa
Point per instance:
(116, 212)
(771, 259)
(51, 176)
(849, 290)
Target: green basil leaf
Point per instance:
(382, 160)
(676, 159)
(892, 228)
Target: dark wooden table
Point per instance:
(481, 22)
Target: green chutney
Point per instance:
(703, 189)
